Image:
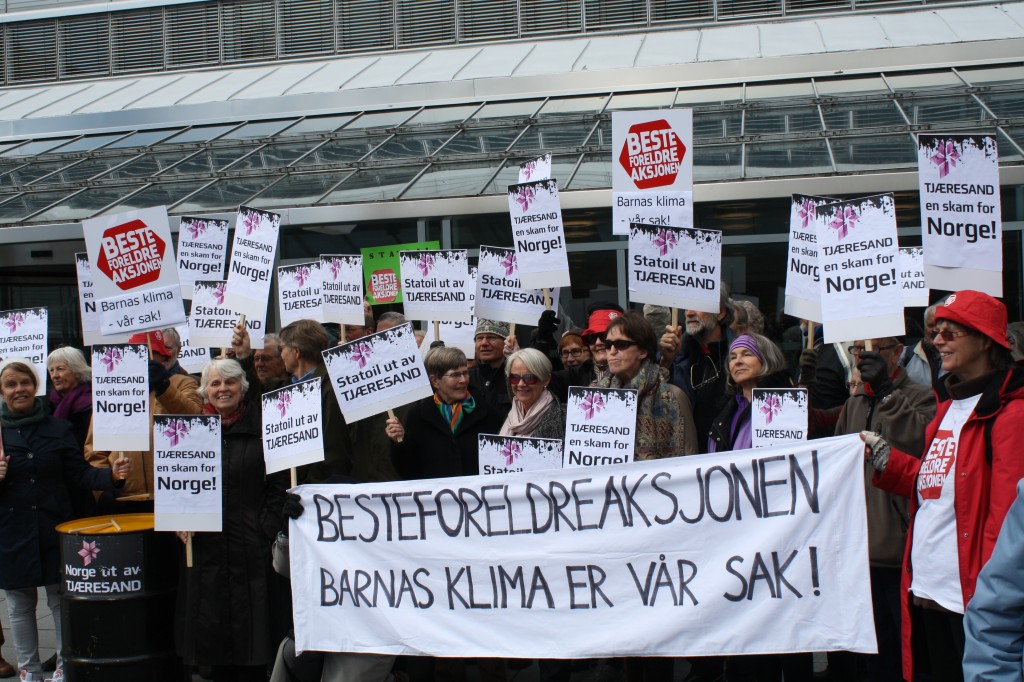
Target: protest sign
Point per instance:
(187, 472)
(684, 556)
(341, 282)
(538, 168)
(505, 454)
(652, 168)
(23, 336)
(803, 293)
(299, 294)
(778, 416)
(500, 294)
(252, 261)
(461, 335)
(212, 322)
(120, 397)
(87, 305)
(434, 284)
(202, 244)
(135, 279)
(377, 373)
(857, 254)
(191, 358)
(600, 426)
(912, 279)
(380, 270)
(293, 426)
(538, 234)
(961, 221)
(675, 267)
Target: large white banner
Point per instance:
(778, 416)
(377, 373)
(212, 322)
(686, 556)
(600, 426)
(87, 305)
(500, 294)
(299, 294)
(191, 358)
(187, 472)
(803, 294)
(342, 288)
(912, 279)
(252, 261)
(202, 250)
(293, 432)
(961, 223)
(652, 168)
(134, 275)
(505, 454)
(23, 336)
(858, 256)
(435, 285)
(120, 397)
(675, 267)
(538, 234)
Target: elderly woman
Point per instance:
(223, 617)
(962, 485)
(71, 397)
(535, 410)
(39, 455)
(572, 351)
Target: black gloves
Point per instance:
(159, 378)
(875, 373)
(544, 336)
(292, 507)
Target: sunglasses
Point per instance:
(591, 339)
(857, 350)
(947, 333)
(621, 344)
(528, 379)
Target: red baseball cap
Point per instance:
(155, 341)
(977, 311)
(599, 321)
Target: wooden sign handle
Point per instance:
(391, 415)
(675, 317)
(810, 335)
(188, 549)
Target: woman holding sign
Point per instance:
(223, 617)
(962, 485)
(39, 454)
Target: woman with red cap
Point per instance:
(962, 485)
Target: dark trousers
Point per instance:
(770, 668)
(887, 666)
(648, 669)
(938, 644)
(239, 673)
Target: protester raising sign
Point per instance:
(500, 294)
(803, 294)
(252, 261)
(87, 305)
(685, 556)
(377, 373)
(187, 469)
(201, 251)
(961, 223)
(675, 267)
(120, 397)
(505, 454)
(212, 322)
(435, 285)
(912, 280)
(23, 336)
(191, 358)
(538, 235)
(538, 168)
(380, 270)
(293, 426)
(600, 426)
(299, 293)
(341, 282)
(857, 254)
(778, 416)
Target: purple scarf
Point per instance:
(74, 401)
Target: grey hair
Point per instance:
(172, 333)
(74, 359)
(772, 360)
(930, 310)
(227, 368)
(536, 362)
(275, 339)
(391, 316)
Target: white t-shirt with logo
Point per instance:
(934, 556)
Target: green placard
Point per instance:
(380, 270)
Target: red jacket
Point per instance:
(981, 499)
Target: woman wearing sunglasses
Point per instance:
(961, 486)
(535, 412)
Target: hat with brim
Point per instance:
(975, 310)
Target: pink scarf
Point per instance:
(521, 423)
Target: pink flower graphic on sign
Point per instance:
(511, 451)
(806, 212)
(284, 401)
(175, 431)
(335, 265)
(509, 263)
(527, 169)
(591, 404)
(13, 321)
(218, 293)
(946, 157)
(88, 552)
(361, 354)
(111, 359)
(251, 222)
(197, 228)
(301, 275)
(845, 220)
(425, 264)
(665, 240)
(524, 197)
(772, 406)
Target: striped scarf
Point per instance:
(453, 413)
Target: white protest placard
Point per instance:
(191, 358)
(778, 416)
(666, 557)
(87, 305)
(858, 256)
(600, 426)
(435, 285)
(501, 296)
(187, 472)
(135, 278)
(342, 287)
(202, 250)
(652, 168)
(120, 397)
(912, 279)
(538, 168)
(675, 267)
(252, 261)
(803, 292)
(961, 220)
(377, 373)
(461, 335)
(299, 292)
(505, 454)
(293, 426)
(212, 322)
(538, 234)
(23, 336)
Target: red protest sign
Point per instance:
(131, 254)
(384, 286)
(652, 154)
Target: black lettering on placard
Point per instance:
(774, 577)
(660, 577)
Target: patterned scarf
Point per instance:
(453, 413)
(228, 419)
(659, 426)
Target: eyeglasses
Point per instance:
(620, 344)
(571, 353)
(457, 376)
(854, 384)
(947, 333)
(857, 350)
(591, 339)
(528, 379)
(705, 379)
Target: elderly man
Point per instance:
(487, 378)
(270, 369)
(922, 361)
(172, 341)
(389, 320)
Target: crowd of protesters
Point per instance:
(940, 412)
